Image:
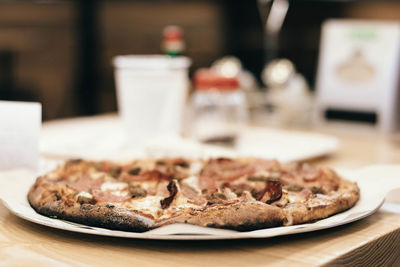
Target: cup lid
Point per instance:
(151, 62)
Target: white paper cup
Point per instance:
(151, 91)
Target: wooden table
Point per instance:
(372, 241)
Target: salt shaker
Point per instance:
(217, 108)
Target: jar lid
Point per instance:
(205, 79)
(151, 62)
(172, 33)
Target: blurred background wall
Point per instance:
(60, 52)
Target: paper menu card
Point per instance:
(358, 73)
(19, 134)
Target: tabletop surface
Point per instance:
(373, 240)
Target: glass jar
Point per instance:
(217, 108)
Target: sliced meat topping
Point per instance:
(207, 184)
(109, 196)
(298, 197)
(188, 191)
(330, 181)
(271, 192)
(104, 166)
(153, 175)
(192, 195)
(162, 188)
(223, 196)
(173, 190)
(273, 176)
(221, 170)
(306, 193)
(310, 174)
(287, 178)
(226, 169)
(85, 183)
(176, 168)
(73, 162)
(216, 198)
(266, 165)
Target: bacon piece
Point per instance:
(271, 192)
(85, 183)
(173, 190)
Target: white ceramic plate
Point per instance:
(283, 145)
(374, 183)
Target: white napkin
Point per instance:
(19, 134)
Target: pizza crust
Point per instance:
(323, 206)
(107, 216)
(241, 216)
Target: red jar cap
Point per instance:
(205, 79)
(172, 33)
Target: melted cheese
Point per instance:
(180, 201)
(150, 204)
(295, 198)
(123, 193)
(53, 175)
(84, 194)
(195, 168)
(96, 175)
(113, 186)
(146, 185)
(193, 182)
(187, 205)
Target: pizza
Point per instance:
(233, 193)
